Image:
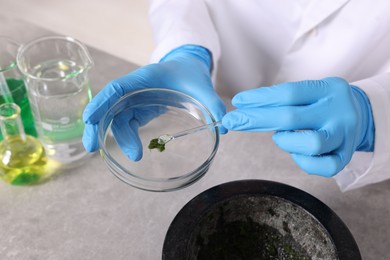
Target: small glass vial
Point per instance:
(22, 157)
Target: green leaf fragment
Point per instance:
(155, 144)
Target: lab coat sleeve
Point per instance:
(367, 168)
(179, 22)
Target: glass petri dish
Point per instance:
(143, 115)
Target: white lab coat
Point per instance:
(265, 42)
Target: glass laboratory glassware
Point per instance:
(12, 87)
(57, 82)
(159, 111)
(22, 157)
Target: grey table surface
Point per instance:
(87, 213)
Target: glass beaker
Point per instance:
(56, 70)
(12, 87)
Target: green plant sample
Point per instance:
(155, 144)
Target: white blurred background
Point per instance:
(119, 27)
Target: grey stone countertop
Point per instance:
(87, 213)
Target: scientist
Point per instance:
(315, 72)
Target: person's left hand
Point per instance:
(186, 69)
(321, 123)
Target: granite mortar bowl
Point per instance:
(257, 219)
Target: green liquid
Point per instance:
(22, 162)
(63, 135)
(19, 96)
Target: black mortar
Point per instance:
(286, 223)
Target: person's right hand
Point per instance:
(185, 69)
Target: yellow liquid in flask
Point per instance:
(22, 162)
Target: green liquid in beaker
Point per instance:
(19, 96)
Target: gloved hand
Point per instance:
(185, 69)
(321, 123)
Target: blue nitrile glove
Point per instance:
(185, 69)
(321, 123)
(125, 127)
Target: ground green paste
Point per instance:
(249, 240)
(155, 144)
